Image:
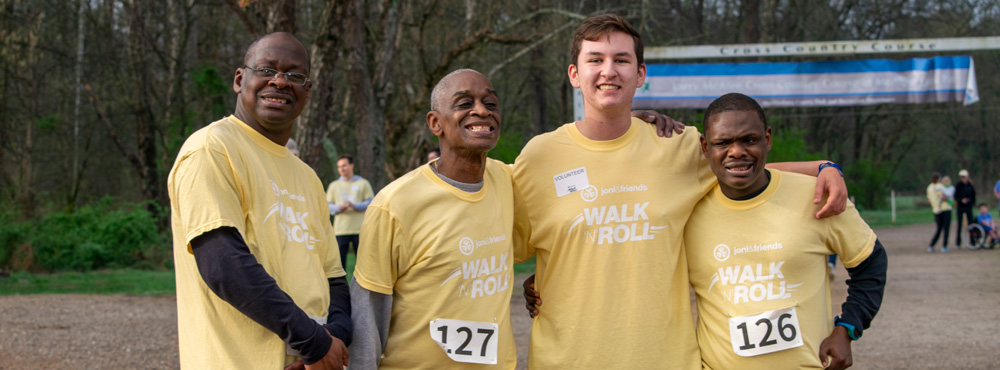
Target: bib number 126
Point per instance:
(766, 332)
(466, 341)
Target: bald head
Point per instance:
(284, 37)
(442, 86)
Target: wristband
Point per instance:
(830, 164)
(851, 331)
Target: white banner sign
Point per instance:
(812, 84)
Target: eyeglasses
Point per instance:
(271, 73)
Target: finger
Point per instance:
(818, 192)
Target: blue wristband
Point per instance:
(851, 331)
(830, 164)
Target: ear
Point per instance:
(642, 76)
(434, 123)
(238, 80)
(704, 145)
(573, 73)
(767, 138)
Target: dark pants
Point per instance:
(345, 241)
(943, 219)
(967, 212)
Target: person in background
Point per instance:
(433, 154)
(348, 197)
(985, 219)
(942, 212)
(965, 201)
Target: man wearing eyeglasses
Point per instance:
(260, 284)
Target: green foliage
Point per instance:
(126, 281)
(867, 183)
(508, 148)
(331, 151)
(49, 122)
(787, 144)
(95, 236)
(211, 87)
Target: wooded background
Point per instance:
(98, 95)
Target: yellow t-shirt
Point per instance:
(227, 174)
(768, 254)
(441, 253)
(606, 220)
(355, 191)
(934, 197)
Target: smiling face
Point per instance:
(607, 72)
(736, 143)
(270, 105)
(467, 114)
(345, 168)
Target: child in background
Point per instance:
(985, 219)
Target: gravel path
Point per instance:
(941, 311)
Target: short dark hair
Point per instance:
(984, 205)
(733, 102)
(598, 26)
(246, 54)
(435, 150)
(350, 160)
(935, 176)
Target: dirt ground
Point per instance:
(941, 311)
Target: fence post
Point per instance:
(892, 196)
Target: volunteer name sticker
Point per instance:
(571, 181)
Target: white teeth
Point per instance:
(276, 100)
(608, 87)
(742, 168)
(479, 128)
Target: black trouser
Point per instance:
(967, 212)
(345, 241)
(942, 219)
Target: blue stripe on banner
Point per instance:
(695, 97)
(851, 66)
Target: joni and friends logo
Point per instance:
(589, 194)
(466, 246)
(721, 253)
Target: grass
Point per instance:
(137, 282)
(909, 211)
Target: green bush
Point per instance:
(100, 235)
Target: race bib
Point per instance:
(766, 332)
(571, 181)
(467, 341)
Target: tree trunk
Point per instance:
(317, 120)
(370, 156)
(146, 125)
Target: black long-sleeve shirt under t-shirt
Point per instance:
(232, 272)
(865, 289)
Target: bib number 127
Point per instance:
(765, 332)
(466, 341)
